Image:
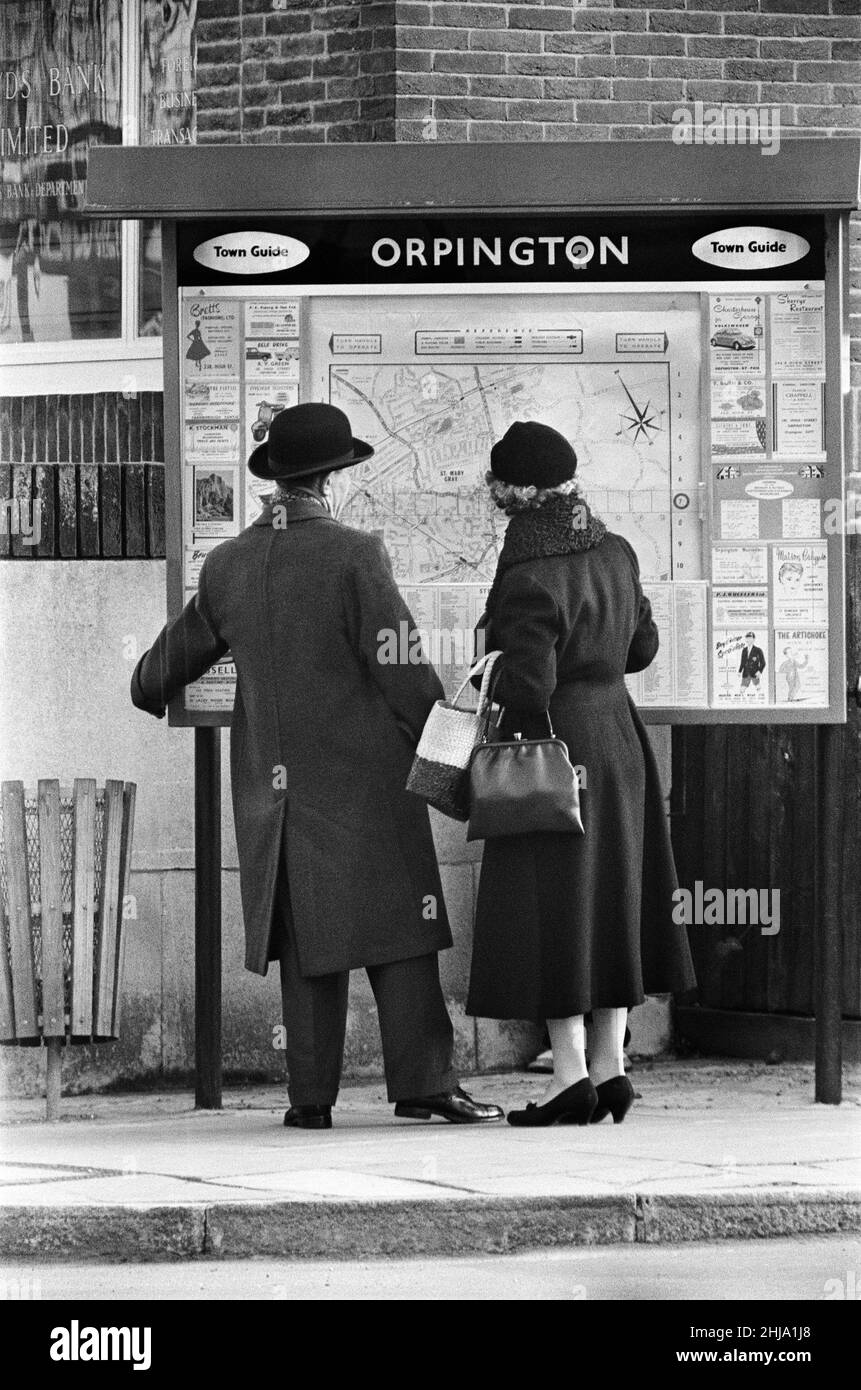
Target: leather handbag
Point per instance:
(522, 786)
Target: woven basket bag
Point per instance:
(440, 771)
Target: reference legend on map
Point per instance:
(436, 342)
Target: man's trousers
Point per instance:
(415, 1027)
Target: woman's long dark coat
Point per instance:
(569, 923)
(322, 738)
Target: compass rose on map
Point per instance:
(640, 421)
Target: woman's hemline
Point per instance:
(563, 1011)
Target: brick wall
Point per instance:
(586, 69)
(596, 70)
(300, 72)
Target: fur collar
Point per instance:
(562, 526)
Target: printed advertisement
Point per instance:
(801, 666)
(737, 334)
(211, 331)
(739, 666)
(797, 333)
(802, 518)
(739, 520)
(212, 443)
(730, 436)
(211, 400)
(194, 558)
(214, 502)
(800, 584)
(738, 396)
(734, 607)
(740, 564)
(262, 404)
(739, 644)
(215, 691)
(272, 318)
(272, 359)
(799, 418)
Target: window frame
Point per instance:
(129, 362)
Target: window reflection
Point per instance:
(168, 116)
(60, 273)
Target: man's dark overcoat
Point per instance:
(322, 737)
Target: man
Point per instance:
(336, 860)
(752, 662)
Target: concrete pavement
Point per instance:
(710, 1151)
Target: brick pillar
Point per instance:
(303, 72)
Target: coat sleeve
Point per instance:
(643, 647)
(645, 641)
(525, 627)
(182, 652)
(375, 610)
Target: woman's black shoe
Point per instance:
(615, 1097)
(573, 1106)
(309, 1117)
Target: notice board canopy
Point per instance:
(679, 312)
(238, 180)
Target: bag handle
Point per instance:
(488, 712)
(486, 663)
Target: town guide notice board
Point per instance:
(695, 357)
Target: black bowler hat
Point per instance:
(532, 455)
(306, 439)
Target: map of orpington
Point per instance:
(433, 426)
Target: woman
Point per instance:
(198, 350)
(568, 924)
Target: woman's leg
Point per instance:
(568, 1041)
(607, 1044)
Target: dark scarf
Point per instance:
(562, 526)
(283, 496)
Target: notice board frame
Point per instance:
(640, 179)
(836, 367)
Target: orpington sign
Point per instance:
(578, 251)
(571, 249)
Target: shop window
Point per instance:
(77, 73)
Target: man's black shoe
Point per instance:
(309, 1117)
(455, 1106)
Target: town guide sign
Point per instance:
(578, 250)
(255, 253)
